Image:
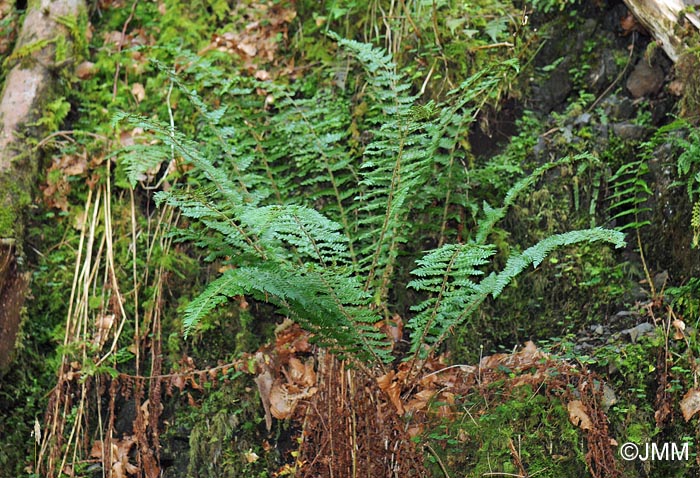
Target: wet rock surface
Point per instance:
(645, 79)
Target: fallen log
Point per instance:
(670, 22)
(31, 83)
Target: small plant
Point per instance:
(327, 257)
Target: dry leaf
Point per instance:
(690, 403)
(264, 383)
(679, 325)
(103, 324)
(138, 91)
(178, 381)
(85, 70)
(262, 75)
(420, 400)
(309, 378)
(114, 37)
(578, 415)
(385, 380)
(391, 388)
(296, 369)
(248, 49)
(676, 87)
(96, 450)
(280, 405)
(251, 456)
(144, 410)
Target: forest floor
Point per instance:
(557, 116)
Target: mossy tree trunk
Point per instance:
(44, 48)
(670, 22)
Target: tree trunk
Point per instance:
(30, 85)
(662, 18)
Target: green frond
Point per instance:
(308, 200)
(446, 274)
(534, 255)
(326, 302)
(493, 215)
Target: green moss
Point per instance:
(223, 432)
(7, 222)
(536, 425)
(17, 197)
(686, 69)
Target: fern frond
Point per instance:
(326, 302)
(630, 195)
(307, 234)
(493, 215)
(447, 274)
(534, 255)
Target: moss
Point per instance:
(537, 425)
(686, 69)
(7, 222)
(223, 435)
(17, 198)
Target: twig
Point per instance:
(442, 465)
(67, 134)
(505, 44)
(119, 49)
(619, 76)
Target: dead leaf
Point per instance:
(309, 378)
(138, 91)
(247, 48)
(96, 450)
(144, 411)
(251, 456)
(85, 70)
(296, 369)
(391, 388)
(420, 400)
(178, 381)
(679, 333)
(690, 404)
(103, 324)
(262, 75)
(280, 405)
(676, 87)
(578, 415)
(264, 383)
(115, 38)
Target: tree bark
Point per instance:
(29, 86)
(666, 21)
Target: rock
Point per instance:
(582, 119)
(609, 398)
(618, 108)
(645, 80)
(639, 330)
(629, 131)
(552, 93)
(603, 72)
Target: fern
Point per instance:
(449, 275)
(493, 215)
(630, 194)
(309, 218)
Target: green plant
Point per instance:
(313, 220)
